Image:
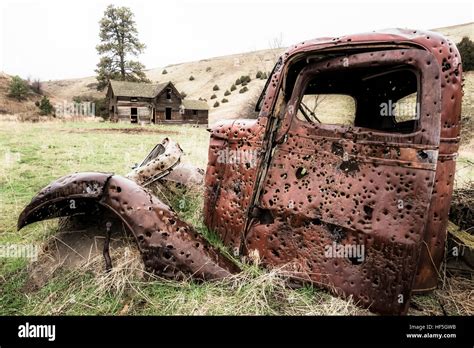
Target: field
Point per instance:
(34, 154)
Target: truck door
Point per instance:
(346, 195)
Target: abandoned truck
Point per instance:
(380, 180)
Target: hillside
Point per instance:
(9, 106)
(223, 71)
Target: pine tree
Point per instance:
(118, 40)
(45, 106)
(466, 49)
(18, 88)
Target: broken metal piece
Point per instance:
(105, 252)
(169, 246)
(159, 163)
(164, 164)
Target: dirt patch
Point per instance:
(134, 130)
(78, 244)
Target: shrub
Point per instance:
(213, 96)
(233, 88)
(244, 83)
(216, 104)
(224, 100)
(191, 78)
(264, 76)
(79, 99)
(36, 86)
(164, 72)
(183, 94)
(18, 88)
(259, 75)
(45, 106)
(243, 90)
(238, 81)
(245, 78)
(466, 49)
(215, 88)
(101, 105)
(208, 69)
(226, 93)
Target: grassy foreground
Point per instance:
(32, 155)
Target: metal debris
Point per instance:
(168, 245)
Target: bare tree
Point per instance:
(36, 86)
(318, 99)
(276, 45)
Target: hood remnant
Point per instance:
(164, 162)
(168, 245)
(346, 175)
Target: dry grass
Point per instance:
(456, 296)
(131, 290)
(462, 207)
(128, 289)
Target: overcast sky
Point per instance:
(56, 39)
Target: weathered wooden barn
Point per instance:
(153, 103)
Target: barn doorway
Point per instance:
(133, 115)
(168, 114)
(153, 117)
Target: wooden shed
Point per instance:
(153, 103)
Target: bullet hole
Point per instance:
(167, 255)
(301, 172)
(356, 261)
(368, 212)
(349, 166)
(422, 154)
(337, 149)
(266, 217)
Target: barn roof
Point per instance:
(195, 104)
(136, 89)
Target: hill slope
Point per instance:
(10, 106)
(223, 71)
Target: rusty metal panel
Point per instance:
(169, 246)
(234, 156)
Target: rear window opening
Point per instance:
(327, 109)
(378, 98)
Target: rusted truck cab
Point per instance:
(353, 151)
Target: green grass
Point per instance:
(35, 154)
